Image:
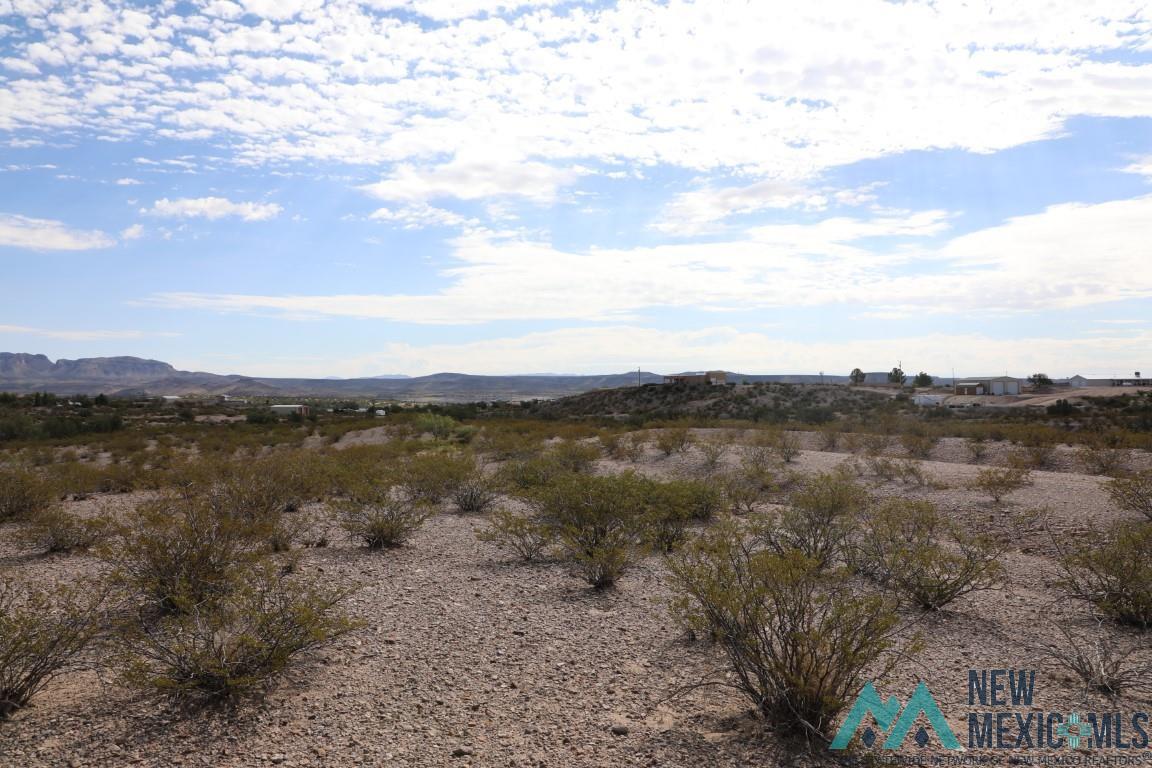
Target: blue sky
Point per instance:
(358, 187)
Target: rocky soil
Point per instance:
(467, 658)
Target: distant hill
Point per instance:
(133, 376)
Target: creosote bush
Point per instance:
(42, 633)
(673, 440)
(381, 515)
(798, 638)
(475, 494)
(1103, 663)
(23, 493)
(818, 519)
(597, 521)
(1132, 492)
(236, 644)
(977, 448)
(908, 547)
(56, 529)
(429, 478)
(179, 551)
(998, 482)
(1114, 573)
(526, 535)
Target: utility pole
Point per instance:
(638, 376)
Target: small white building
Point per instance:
(927, 400)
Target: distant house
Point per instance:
(878, 379)
(987, 385)
(289, 410)
(715, 378)
(1079, 382)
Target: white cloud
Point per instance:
(421, 216)
(76, 335)
(1142, 166)
(127, 182)
(765, 90)
(134, 232)
(48, 235)
(1064, 257)
(472, 180)
(212, 208)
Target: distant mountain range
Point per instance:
(134, 376)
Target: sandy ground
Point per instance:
(467, 658)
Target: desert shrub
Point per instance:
(1114, 574)
(882, 468)
(1100, 459)
(712, 450)
(874, 444)
(503, 445)
(818, 518)
(918, 445)
(908, 547)
(757, 457)
(475, 494)
(998, 482)
(439, 426)
(798, 638)
(1132, 492)
(429, 478)
(673, 440)
(179, 551)
(236, 644)
(912, 472)
(56, 529)
(526, 535)
(612, 444)
(42, 633)
(1103, 663)
(1038, 454)
(574, 455)
(829, 436)
(23, 493)
(669, 506)
(597, 521)
(785, 444)
(634, 446)
(527, 474)
(381, 515)
(977, 448)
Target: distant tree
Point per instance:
(857, 376)
(922, 380)
(1040, 380)
(101, 399)
(896, 376)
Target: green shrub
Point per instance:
(381, 515)
(439, 426)
(673, 440)
(1132, 492)
(786, 445)
(429, 478)
(55, 529)
(526, 535)
(918, 445)
(976, 448)
(23, 493)
(712, 450)
(597, 521)
(830, 435)
(475, 494)
(574, 455)
(999, 482)
(908, 547)
(1103, 663)
(1115, 574)
(527, 474)
(42, 633)
(179, 551)
(818, 519)
(236, 644)
(798, 638)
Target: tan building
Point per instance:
(994, 385)
(709, 377)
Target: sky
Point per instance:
(367, 187)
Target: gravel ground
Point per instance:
(466, 658)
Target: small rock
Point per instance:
(463, 752)
(620, 730)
